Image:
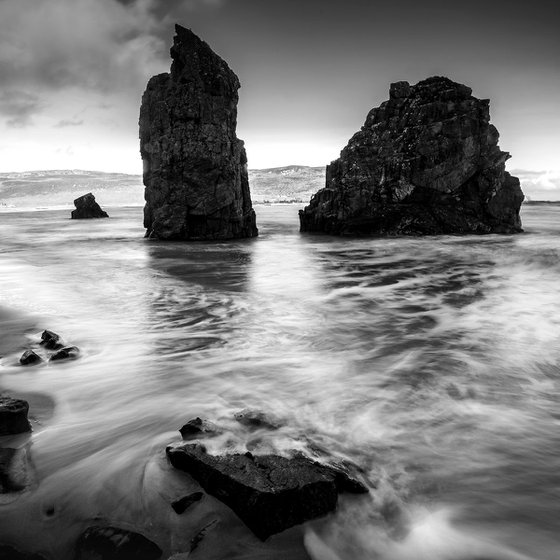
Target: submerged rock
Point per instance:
(256, 419)
(29, 357)
(426, 161)
(14, 475)
(195, 167)
(181, 505)
(269, 493)
(112, 543)
(198, 427)
(87, 208)
(13, 416)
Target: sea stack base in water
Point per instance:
(426, 161)
(195, 167)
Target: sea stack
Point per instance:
(425, 162)
(195, 167)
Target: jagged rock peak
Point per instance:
(426, 161)
(195, 167)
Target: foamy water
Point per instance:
(430, 363)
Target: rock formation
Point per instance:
(426, 161)
(195, 167)
(13, 416)
(87, 208)
(269, 493)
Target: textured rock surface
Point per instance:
(269, 493)
(87, 208)
(426, 161)
(13, 416)
(195, 168)
(112, 543)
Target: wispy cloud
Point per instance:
(19, 107)
(68, 122)
(538, 180)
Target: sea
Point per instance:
(429, 365)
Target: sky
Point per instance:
(72, 73)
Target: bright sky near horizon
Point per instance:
(72, 73)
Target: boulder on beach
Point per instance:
(87, 208)
(195, 167)
(13, 416)
(111, 543)
(269, 493)
(426, 161)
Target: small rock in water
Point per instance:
(112, 543)
(182, 504)
(29, 357)
(269, 493)
(256, 419)
(87, 208)
(67, 353)
(13, 416)
(198, 427)
(50, 340)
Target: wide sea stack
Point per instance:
(426, 161)
(195, 167)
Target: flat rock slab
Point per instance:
(269, 493)
(112, 543)
(13, 416)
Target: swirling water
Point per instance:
(430, 363)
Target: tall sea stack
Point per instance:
(426, 161)
(195, 167)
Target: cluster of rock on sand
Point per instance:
(426, 161)
(269, 493)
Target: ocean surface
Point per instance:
(432, 364)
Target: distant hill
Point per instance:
(59, 188)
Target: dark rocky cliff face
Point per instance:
(426, 161)
(195, 167)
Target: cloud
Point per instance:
(102, 45)
(538, 180)
(19, 107)
(68, 122)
